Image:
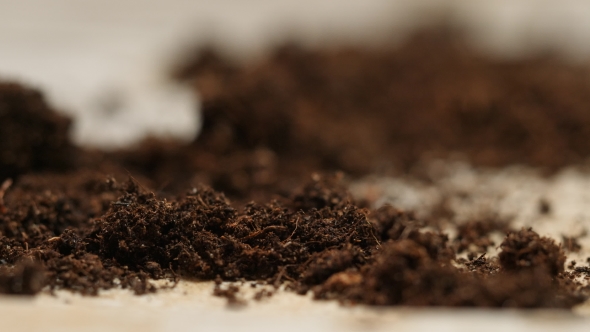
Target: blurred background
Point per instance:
(108, 62)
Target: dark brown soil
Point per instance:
(404, 273)
(362, 111)
(476, 233)
(83, 220)
(230, 292)
(24, 278)
(389, 110)
(32, 137)
(317, 240)
(526, 249)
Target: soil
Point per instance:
(244, 201)
(32, 137)
(388, 109)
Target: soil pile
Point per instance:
(269, 123)
(83, 220)
(32, 136)
(318, 240)
(363, 111)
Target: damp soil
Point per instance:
(261, 195)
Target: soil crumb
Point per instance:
(25, 278)
(525, 249)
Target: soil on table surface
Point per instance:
(261, 194)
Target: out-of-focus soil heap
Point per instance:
(386, 110)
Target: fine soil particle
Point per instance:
(544, 207)
(230, 292)
(242, 202)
